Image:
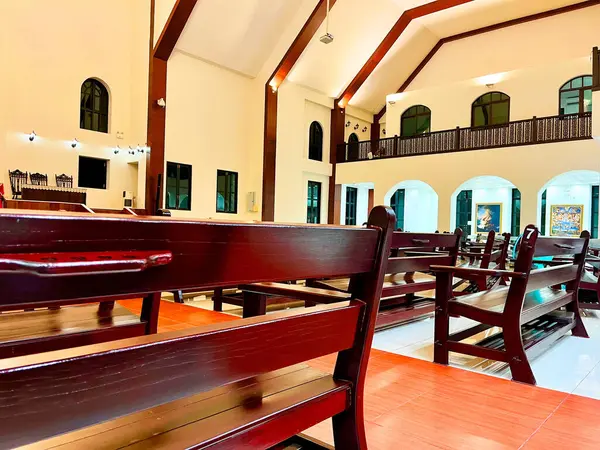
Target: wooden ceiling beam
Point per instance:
(482, 30)
(390, 39)
(157, 88)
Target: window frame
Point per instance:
(100, 112)
(406, 115)
(468, 201)
(310, 198)
(581, 90)
(351, 202)
(399, 199)
(491, 103)
(178, 179)
(515, 219)
(226, 174)
(312, 145)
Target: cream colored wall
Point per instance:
(297, 108)
(162, 11)
(534, 44)
(532, 92)
(43, 73)
(529, 168)
(210, 113)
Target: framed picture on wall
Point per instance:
(566, 220)
(489, 217)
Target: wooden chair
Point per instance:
(64, 181)
(17, 180)
(39, 179)
(408, 274)
(528, 311)
(230, 385)
(492, 256)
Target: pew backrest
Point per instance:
(60, 391)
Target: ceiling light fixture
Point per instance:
(327, 38)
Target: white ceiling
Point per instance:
(243, 37)
(238, 35)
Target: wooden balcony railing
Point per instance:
(537, 130)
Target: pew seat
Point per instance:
(26, 332)
(220, 416)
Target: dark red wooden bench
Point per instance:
(408, 275)
(529, 311)
(493, 255)
(227, 386)
(36, 251)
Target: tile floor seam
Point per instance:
(395, 408)
(545, 420)
(584, 378)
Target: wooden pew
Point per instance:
(528, 311)
(407, 275)
(492, 256)
(226, 386)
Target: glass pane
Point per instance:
(480, 116)
(96, 103)
(500, 113)
(587, 81)
(423, 124)
(569, 102)
(577, 82)
(87, 120)
(587, 100)
(409, 126)
(86, 101)
(95, 122)
(103, 124)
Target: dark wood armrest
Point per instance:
(300, 292)
(83, 263)
(458, 271)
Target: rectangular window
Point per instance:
(595, 195)
(313, 208)
(227, 191)
(92, 173)
(397, 205)
(351, 195)
(464, 210)
(515, 216)
(179, 186)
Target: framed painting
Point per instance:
(566, 220)
(489, 217)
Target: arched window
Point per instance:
(490, 109)
(352, 147)
(415, 120)
(576, 96)
(315, 142)
(94, 106)
(397, 204)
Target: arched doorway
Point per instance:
(568, 204)
(486, 203)
(415, 204)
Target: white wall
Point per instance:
(297, 108)
(420, 206)
(209, 118)
(42, 78)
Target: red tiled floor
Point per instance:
(416, 404)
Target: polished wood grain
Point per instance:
(280, 73)
(45, 206)
(336, 138)
(428, 406)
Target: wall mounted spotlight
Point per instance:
(383, 131)
(74, 143)
(356, 126)
(32, 136)
(117, 150)
(348, 124)
(161, 102)
(364, 130)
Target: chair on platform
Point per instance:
(64, 181)
(39, 179)
(17, 180)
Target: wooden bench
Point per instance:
(408, 274)
(492, 256)
(35, 249)
(235, 385)
(528, 311)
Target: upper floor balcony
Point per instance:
(537, 130)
